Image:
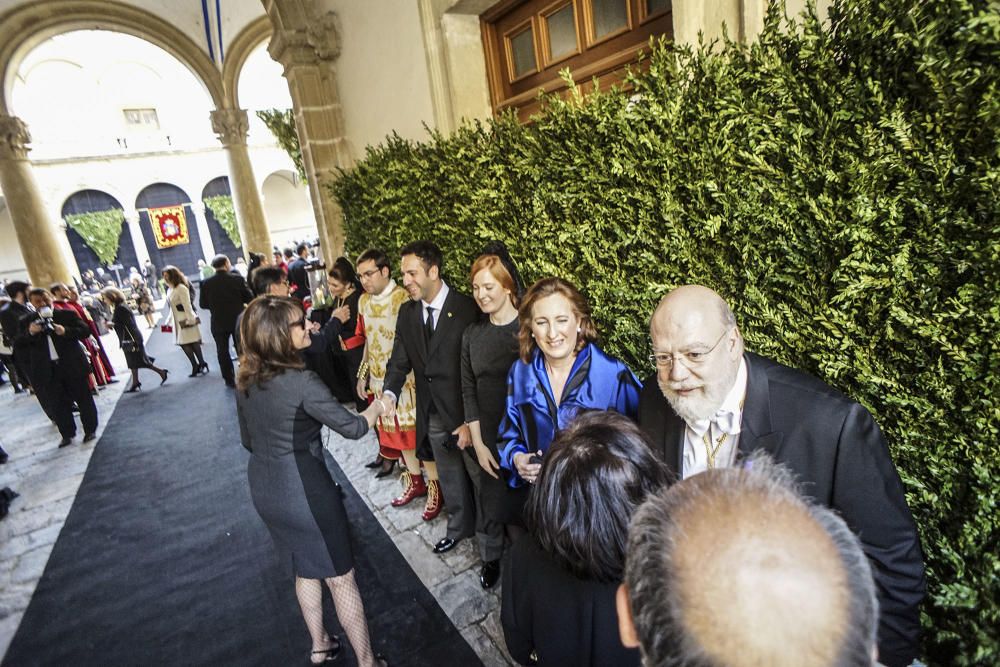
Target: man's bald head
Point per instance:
(698, 349)
(733, 567)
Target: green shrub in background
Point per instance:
(838, 184)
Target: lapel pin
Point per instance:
(449, 314)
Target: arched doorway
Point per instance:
(214, 195)
(94, 202)
(288, 209)
(164, 247)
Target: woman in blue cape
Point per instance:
(561, 371)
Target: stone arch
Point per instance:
(253, 35)
(24, 27)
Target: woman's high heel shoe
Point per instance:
(166, 374)
(195, 372)
(387, 468)
(203, 368)
(134, 388)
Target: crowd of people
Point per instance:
(726, 510)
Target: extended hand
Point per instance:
(362, 387)
(343, 313)
(390, 404)
(464, 436)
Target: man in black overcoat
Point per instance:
(711, 404)
(58, 366)
(11, 316)
(224, 296)
(428, 341)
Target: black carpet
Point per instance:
(163, 559)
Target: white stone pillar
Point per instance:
(36, 233)
(231, 126)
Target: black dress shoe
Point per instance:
(65, 442)
(490, 574)
(89, 436)
(444, 545)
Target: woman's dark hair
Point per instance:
(266, 276)
(597, 471)
(544, 288)
(113, 295)
(173, 276)
(265, 334)
(343, 272)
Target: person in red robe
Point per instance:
(67, 298)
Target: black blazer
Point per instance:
(71, 357)
(298, 276)
(836, 450)
(564, 620)
(224, 295)
(437, 367)
(11, 315)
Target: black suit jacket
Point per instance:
(437, 367)
(224, 295)
(11, 315)
(298, 276)
(836, 450)
(71, 357)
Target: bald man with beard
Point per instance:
(790, 587)
(713, 404)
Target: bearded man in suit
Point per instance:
(713, 404)
(428, 342)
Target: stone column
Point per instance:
(231, 126)
(132, 221)
(307, 45)
(36, 234)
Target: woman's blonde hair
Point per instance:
(268, 349)
(547, 287)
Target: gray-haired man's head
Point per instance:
(734, 567)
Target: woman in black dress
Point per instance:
(489, 349)
(346, 290)
(129, 338)
(559, 587)
(282, 409)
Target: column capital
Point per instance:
(318, 40)
(230, 125)
(14, 138)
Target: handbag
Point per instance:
(130, 345)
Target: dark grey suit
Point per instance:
(836, 450)
(437, 368)
(224, 295)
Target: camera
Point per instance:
(45, 319)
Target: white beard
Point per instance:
(700, 405)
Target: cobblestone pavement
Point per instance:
(47, 479)
(452, 578)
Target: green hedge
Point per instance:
(837, 183)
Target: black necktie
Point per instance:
(429, 323)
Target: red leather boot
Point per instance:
(413, 487)
(434, 504)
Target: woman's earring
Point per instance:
(578, 329)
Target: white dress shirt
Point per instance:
(726, 420)
(437, 304)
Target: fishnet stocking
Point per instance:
(310, 595)
(351, 612)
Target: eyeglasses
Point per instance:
(299, 323)
(368, 274)
(691, 359)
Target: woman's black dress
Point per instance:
(488, 352)
(124, 323)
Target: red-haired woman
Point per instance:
(489, 349)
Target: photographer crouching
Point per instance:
(58, 366)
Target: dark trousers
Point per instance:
(222, 350)
(459, 473)
(59, 392)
